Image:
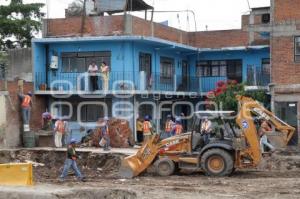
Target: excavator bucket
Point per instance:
(135, 164)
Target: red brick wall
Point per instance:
(109, 24)
(284, 69)
(94, 26)
(245, 21)
(286, 10)
(14, 110)
(218, 39)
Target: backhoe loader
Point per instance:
(237, 147)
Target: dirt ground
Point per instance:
(277, 177)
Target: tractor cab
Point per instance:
(222, 128)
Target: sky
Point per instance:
(209, 14)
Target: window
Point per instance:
(79, 62)
(265, 65)
(166, 68)
(91, 112)
(211, 68)
(297, 49)
(145, 62)
(265, 18)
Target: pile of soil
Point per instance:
(119, 132)
(48, 165)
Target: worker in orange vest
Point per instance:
(59, 131)
(178, 126)
(169, 126)
(147, 128)
(26, 104)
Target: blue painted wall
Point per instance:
(125, 60)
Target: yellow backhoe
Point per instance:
(237, 146)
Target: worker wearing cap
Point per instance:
(147, 128)
(71, 162)
(26, 104)
(105, 134)
(206, 129)
(59, 129)
(178, 126)
(169, 126)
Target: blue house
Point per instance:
(148, 76)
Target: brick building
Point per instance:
(197, 60)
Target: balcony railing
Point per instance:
(257, 77)
(140, 81)
(210, 83)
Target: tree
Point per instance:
(18, 23)
(3, 69)
(224, 95)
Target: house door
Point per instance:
(185, 75)
(145, 65)
(287, 111)
(234, 70)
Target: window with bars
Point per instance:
(79, 62)
(211, 68)
(166, 68)
(297, 49)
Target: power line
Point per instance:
(248, 4)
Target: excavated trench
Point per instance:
(49, 164)
(72, 193)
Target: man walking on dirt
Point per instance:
(105, 134)
(71, 162)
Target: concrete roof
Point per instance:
(152, 40)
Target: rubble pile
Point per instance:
(119, 132)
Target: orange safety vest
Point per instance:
(61, 126)
(178, 129)
(168, 126)
(146, 127)
(26, 101)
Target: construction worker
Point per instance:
(206, 129)
(147, 128)
(178, 126)
(169, 126)
(59, 129)
(105, 75)
(46, 121)
(139, 130)
(105, 134)
(71, 162)
(26, 104)
(263, 130)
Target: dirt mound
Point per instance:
(49, 164)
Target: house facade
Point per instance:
(154, 69)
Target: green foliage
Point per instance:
(19, 22)
(224, 95)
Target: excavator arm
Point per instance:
(248, 108)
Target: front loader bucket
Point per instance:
(135, 164)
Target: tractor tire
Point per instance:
(164, 167)
(217, 162)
